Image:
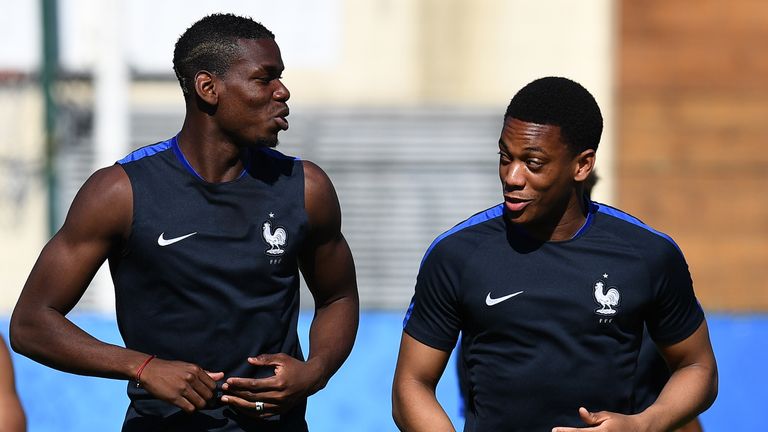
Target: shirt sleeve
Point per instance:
(675, 313)
(433, 317)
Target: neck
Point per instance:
(562, 225)
(572, 221)
(214, 158)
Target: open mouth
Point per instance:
(516, 204)
(282, 123)
(281, 120)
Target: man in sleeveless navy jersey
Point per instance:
(550, 293)
(205, 234)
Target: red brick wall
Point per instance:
(693, 138)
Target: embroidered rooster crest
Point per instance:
(607, 300)
(274, 239)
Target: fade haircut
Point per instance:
(211, 44)
(560, 102)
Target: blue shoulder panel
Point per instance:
(481, 217)
(147, 151)
(478, 218)
(611, 211)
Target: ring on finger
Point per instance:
(259, 407)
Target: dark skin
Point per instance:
(246, 106)
(542, 180)
(12, 417)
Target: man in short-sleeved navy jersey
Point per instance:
(205, 234)
(550, 292)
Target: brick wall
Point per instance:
(693, 128)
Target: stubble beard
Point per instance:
(266, 142)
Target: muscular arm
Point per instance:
(414, 404)
(11, 413)
(329, 272)
(326, 263)
(97, 222)
(96, 227)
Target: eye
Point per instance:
(503, 158)
(268, 79)
(534, 164)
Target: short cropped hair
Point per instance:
(211, 44)
(560, 102)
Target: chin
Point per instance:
(265, 142)
(520, 218)
(516, 220)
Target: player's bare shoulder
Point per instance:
(109, 182)
(106, 200)
(320, 199)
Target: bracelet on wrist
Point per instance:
(141, 369)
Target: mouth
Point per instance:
(516, 204)
(280, 118)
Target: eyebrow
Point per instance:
(272, 68)
(268, 69)
(533, 148)
(527, 147)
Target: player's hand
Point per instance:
(292, 382)
(185, 385)
(604, 421)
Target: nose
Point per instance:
(513, 177)
(281, 93)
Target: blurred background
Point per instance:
(401, 102)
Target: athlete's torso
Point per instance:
(210, 271)
(546, 327)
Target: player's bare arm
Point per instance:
(96, 226)
(12, 418)
(414, 404)
(328, 269)
(691, 389)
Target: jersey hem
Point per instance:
(684, 334)
(444, 346)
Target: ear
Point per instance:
(584, 164)
(205, 87)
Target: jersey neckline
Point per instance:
(185, 163)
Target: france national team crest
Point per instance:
(275, 238)
(607, 298)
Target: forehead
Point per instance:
(258, 53)
(521, 134)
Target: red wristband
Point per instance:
(141, 369)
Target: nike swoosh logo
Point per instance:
(165, 242)
(494, 301)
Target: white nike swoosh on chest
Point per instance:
(494, 301)
(165, 242)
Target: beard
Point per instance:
(266, 142)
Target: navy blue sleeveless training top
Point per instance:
(209, 274)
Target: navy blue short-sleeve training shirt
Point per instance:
(549, 327)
